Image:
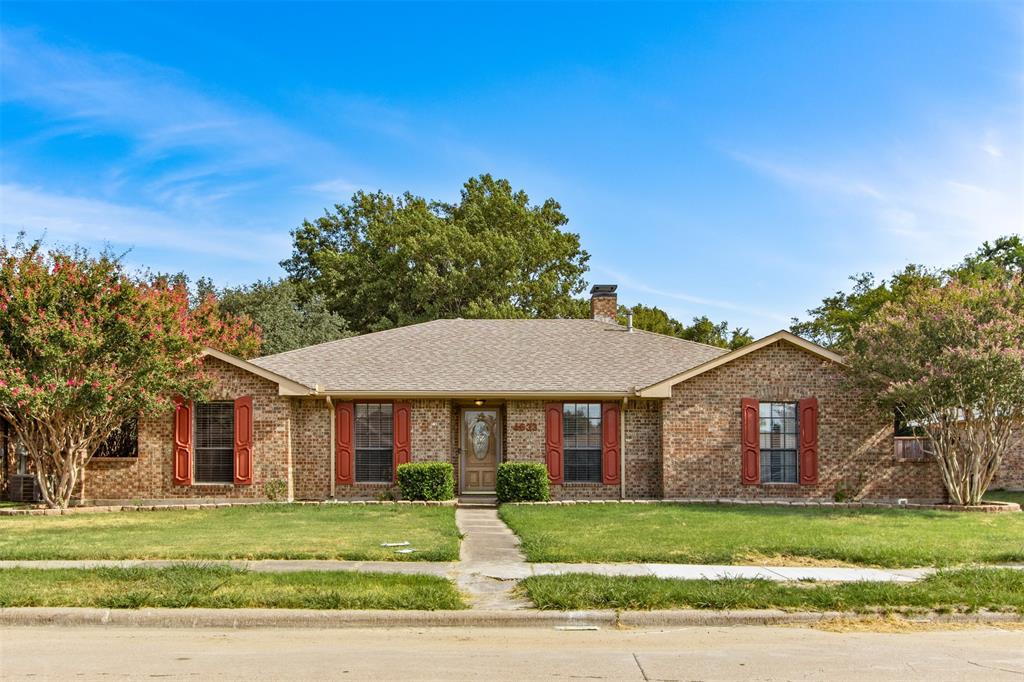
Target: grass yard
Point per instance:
(223, 588)
(1005, 496)
(270, 531)
(722, 534)
(963, 590)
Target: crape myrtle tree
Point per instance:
(950, 360)
(85, 346)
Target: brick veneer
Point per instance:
(701, 433)
(311, 445)
(149, 476)
(1011, 469)
(643, 449)
(683, 447)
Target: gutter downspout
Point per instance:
(622, 450)
(330, 455)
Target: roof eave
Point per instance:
(466, 394)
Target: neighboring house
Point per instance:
(614, 413)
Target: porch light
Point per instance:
(478, 403)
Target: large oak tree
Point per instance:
(381, 261)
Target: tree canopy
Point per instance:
(381, 261)
(287, 319)
(85, 346)
(703, 330)
(950, 360)
(835, 322)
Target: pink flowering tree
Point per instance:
(84, 346)
(951, 360)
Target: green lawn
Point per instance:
(722, 534)
(223, 588)
(244, 532)
(1005, 496)
(964, 590)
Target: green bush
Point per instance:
(522, 482)
(275, 489)
(426, 481)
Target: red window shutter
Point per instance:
(243, 440)
(402, 415)
(750, 442)
(553, 441)
(182, 442)
(808, 441)
(344, 443)
(610, 446)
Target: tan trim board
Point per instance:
(285, 386)
(663, 389)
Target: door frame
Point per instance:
(499, 443)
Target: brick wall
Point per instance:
(643, 449)
(1011, 469)
(149, 476)
(311, 448)
(701, 433)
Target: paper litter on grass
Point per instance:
(395, 544)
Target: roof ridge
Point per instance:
(688, 341)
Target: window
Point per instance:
(215, 442)
(779, 435)
(21, 457)
(375, 442)
(910, 442)
(581, 431)
(122, 441)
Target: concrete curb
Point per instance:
(302, 618)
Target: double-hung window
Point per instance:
(215, 442)
(779, 434)
(581, 431)
(374, 442)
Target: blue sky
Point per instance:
(734, 160)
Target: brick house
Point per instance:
(613, 413)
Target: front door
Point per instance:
(481, 449)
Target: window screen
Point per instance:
(779, 433)
(122, 441)
(215, 442)
(375, 442)
(581, 432)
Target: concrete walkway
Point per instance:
(508, 565)
(490, 560)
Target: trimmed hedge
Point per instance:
(522, 482)
(426, 481)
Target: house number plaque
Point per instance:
(524, 426)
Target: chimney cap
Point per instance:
(603, 289)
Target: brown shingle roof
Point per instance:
(492, 357)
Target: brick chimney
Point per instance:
(604, 303)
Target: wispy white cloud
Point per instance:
(939, 195)
(86, 221)
(183, 142)
(630, 283)
(336, 187)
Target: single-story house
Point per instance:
(613, 412)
